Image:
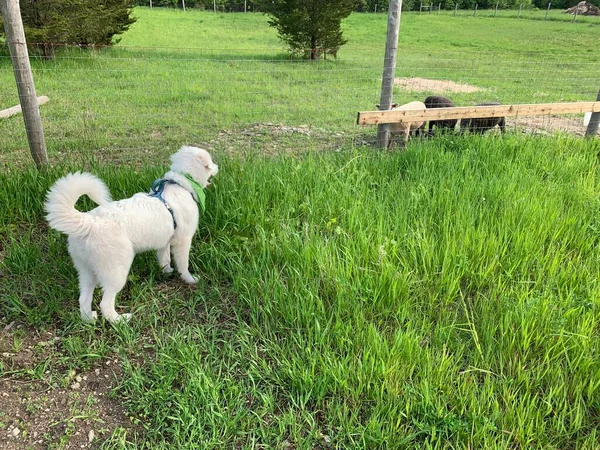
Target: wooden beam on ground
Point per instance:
(469, 112)
(42, 100)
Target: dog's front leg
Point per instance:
(164, 258)
(181, 253)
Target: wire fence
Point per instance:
(130, 104)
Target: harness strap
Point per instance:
(157, 190)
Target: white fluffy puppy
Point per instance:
(104, 241)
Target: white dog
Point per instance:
(103, 242)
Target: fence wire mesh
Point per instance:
(122, 103)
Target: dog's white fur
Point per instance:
(104, 241)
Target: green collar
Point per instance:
(199, 190)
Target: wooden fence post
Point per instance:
(455, 9)
(15, 37)
(547, 11)
(592, 128)
(496, 9)
(389, 68)
(475, 11)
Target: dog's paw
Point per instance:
(120, 318)
(89, 319)
(189, 278)
(125, 317)
(167, 269)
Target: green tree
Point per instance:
(49, 23)
(310, 27)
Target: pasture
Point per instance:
(442, 297)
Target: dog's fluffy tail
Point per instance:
(61, 199)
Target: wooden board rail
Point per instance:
(468, 112)
(42, 100)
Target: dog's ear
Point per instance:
(205, 159)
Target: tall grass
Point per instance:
(445, 297)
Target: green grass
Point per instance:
(442, 297)
(203, 74)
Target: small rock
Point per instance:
(78, 378)
(108, 363)
(5, 394)
(15, 432)
(75, 386)
(90, 436)
(97, 371)
(35, 434)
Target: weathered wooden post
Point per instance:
(389, 68)
(547, 11)
(183, 3)
(576, 12)
(592, 128)
(455, 9)
(520, 8)
(475, 12)
(17, 46)
(439, 7)
(150, 4)
(496, 9)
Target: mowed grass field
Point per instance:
(442, 297)
(193, 77)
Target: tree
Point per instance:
(80, 22)
(310, 27)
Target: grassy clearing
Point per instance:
(206, 73)
(446, 296)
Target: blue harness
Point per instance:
(157, 190)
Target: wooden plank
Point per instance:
(468, 112)
(42, 100)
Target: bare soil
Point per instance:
(440, 86)
(56, 407)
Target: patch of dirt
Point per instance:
(44, 405)
(275, 138)
(426, 85)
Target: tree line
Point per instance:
(367, 5)
(310, 28)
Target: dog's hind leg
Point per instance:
(87, 284)
(181, 254)
(164, 258)
(112, 283)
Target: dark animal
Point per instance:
(482, 124)
(437, 101)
